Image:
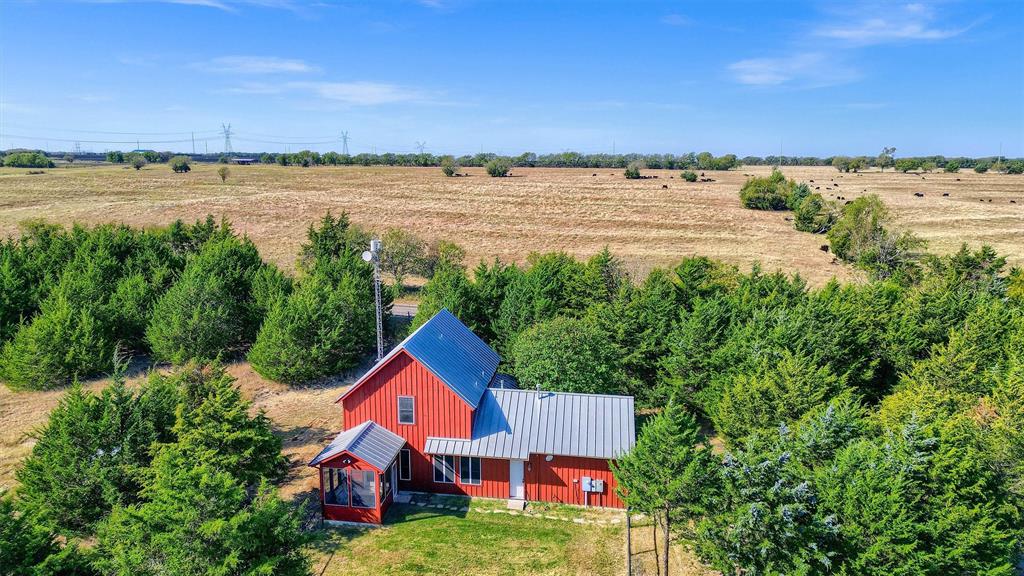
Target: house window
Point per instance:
(469, 470)
(405, 465)
(406, 412)
(444, 469)
(363, 488)
(336, 486)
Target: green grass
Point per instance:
(417, 540)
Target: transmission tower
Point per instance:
(344, 142)
(421, 146)
(226, 129)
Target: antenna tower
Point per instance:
(421, 146)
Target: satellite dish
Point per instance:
(368, 256)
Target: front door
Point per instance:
(516, 489)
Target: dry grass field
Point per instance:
(646, 222)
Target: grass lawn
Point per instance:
(416, 540)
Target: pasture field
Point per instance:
(649, 222)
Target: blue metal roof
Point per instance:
(373, 444)
(454, 354)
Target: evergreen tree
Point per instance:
(671, 474)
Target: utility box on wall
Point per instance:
(588, 484)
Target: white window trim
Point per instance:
(399, 408)
(434, 466)
(400, 467)
(480, 468)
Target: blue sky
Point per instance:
(464, 76)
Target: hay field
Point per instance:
(646, 222)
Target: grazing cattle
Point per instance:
(1013, 201)
(836, 184)
(919, 194)
(664, 186)
(811, 181)
(594, 174)
(945, 193)
(823, 248)
(701, 173)
(849, 201)
(957, 179)
(788, 219)
(817, 187)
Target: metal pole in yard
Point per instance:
(629, 546)
(373, 255)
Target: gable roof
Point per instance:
(452, 353)
(514, 423)
(373, 444)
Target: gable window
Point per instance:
(406, 410)
(363, 488)
(469, 470)
(405, 464)
(444, 469)
(336, 486)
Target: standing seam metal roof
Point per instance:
(512, 424)
(373, 444)
(452, 352)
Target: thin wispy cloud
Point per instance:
(802, 70)
(910, 22)
(255, 65)
(356, 93)
(224, 5)
(676, 20)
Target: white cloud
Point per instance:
(225, 5)
(676, 20)
(802, 70)
(356, 93)
(255, 65)
(910, 22)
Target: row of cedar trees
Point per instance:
(173, 477)
(873, 428)
(180, 293)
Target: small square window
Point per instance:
(406, 410)
(469, 470)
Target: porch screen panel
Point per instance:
(336, 486)
(363, 482)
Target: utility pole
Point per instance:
(193, 143)
(344, 142)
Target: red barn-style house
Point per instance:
(435, 416)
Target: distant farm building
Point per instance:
(435, 416)
(244, 161)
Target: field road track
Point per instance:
(404, 310)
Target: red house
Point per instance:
(435, 416)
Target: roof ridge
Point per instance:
(534, 391)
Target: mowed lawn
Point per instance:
(417, 540)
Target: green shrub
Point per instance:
(324, 327)
(448, 166)
(180, 164)
(567, 355)
(907, 164)
(633, 170)
(1015, 167)
(982, 166)
(689, 176)
(138, 161)
(115, 157)
(770, 193)
(860, 236)
(815, 215)
(210, 310)
(952, 166)
(28, 160)
(498, 167)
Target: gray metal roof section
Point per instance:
(373, 444)
(455, 355)
(512, 424)
(452, 352)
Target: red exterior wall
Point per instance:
(438, 412)
(347, 513)
(559, 480)
(493, 480)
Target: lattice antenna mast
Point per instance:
(373, 255)
(344, 142)
(421, 146)
(226, 129)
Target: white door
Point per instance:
(516, 488)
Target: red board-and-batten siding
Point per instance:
(439, 412)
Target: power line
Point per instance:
(136, 141)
